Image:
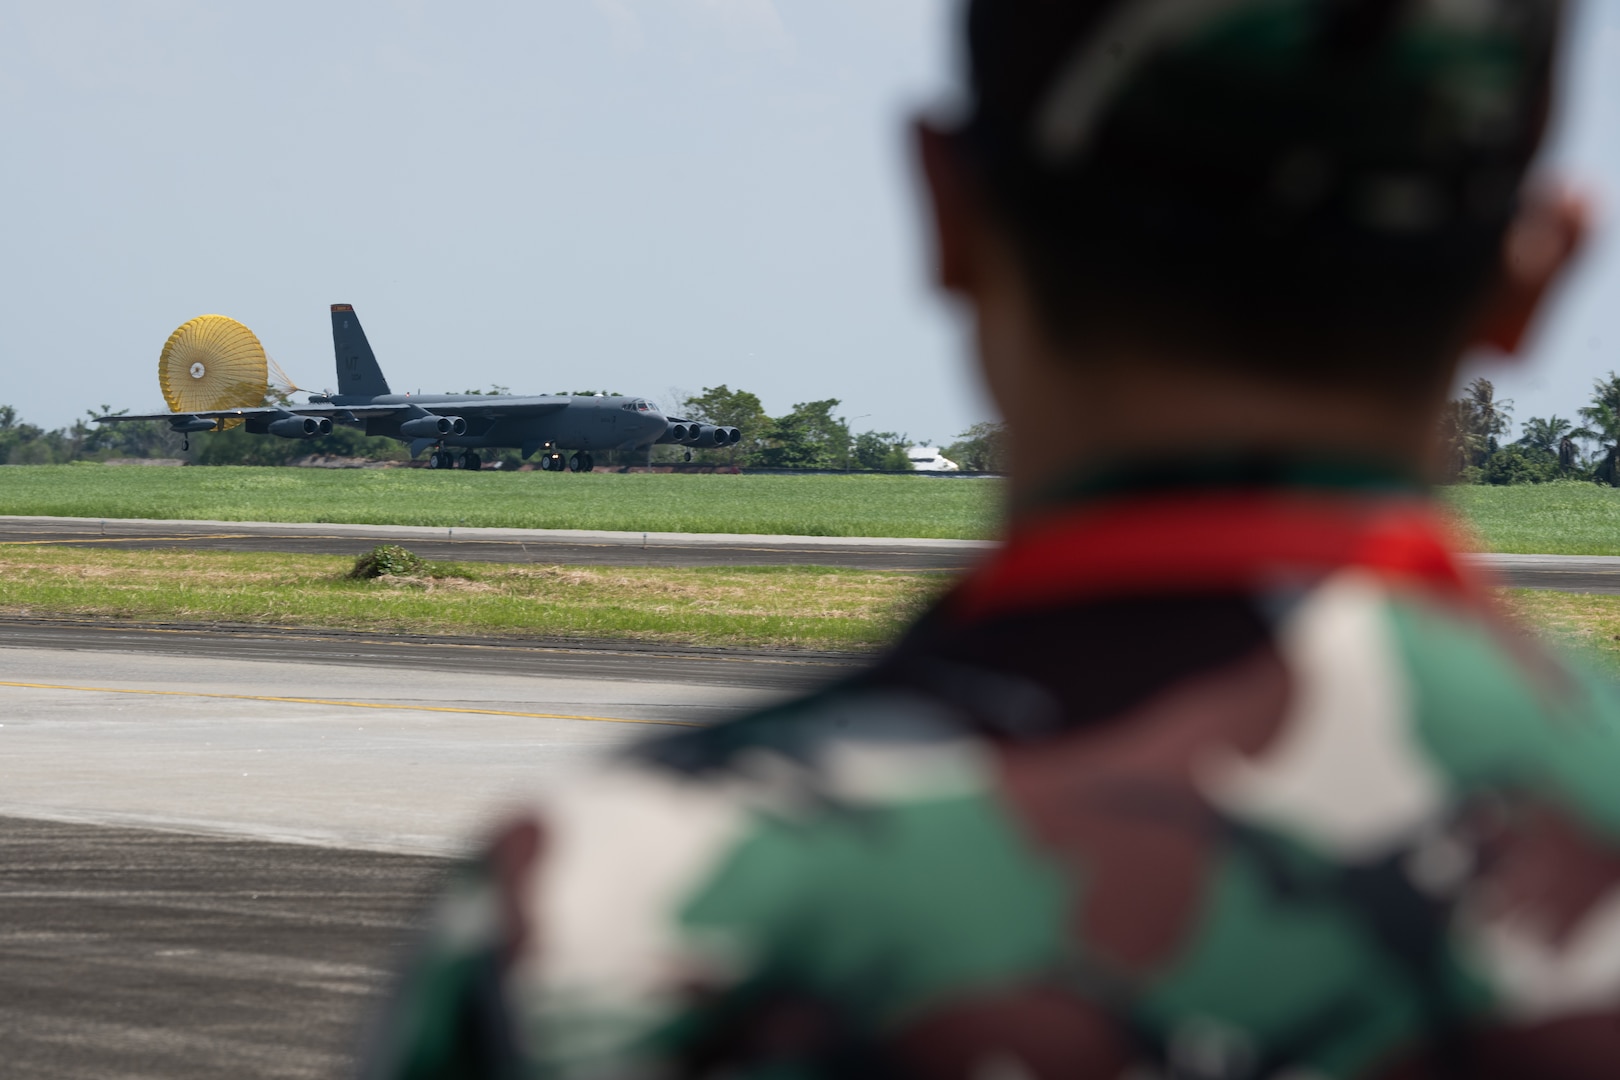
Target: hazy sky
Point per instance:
(571, 194)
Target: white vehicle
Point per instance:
(928, 459)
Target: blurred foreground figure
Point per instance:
(1222, 767)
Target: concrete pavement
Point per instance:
(388, 758)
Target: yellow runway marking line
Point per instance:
(347, 704)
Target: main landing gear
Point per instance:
(446, 459)
(552, 461)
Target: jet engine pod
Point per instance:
(300, 427)
(677, 433)
(733, 436)
(705, 435)
(433, 427)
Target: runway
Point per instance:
(1560, 573)
(210, 856)
(389, 755)
(1568, 573)
(544, 546)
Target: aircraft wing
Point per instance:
(357, 411)
(494, 408)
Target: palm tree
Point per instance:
(1463, 447)
(1553, 436)
(1470, 424)
(1544, 435)
(1491, 417)
(1602, 426)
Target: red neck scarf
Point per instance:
(1212, 541)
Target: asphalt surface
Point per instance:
(147, 954)
(1561, 573)
(1568, 573)
(756, 669)
(543, 546)
(155, 922)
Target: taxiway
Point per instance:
(1568, 573)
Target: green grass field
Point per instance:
(769, 607)
(797, 505)
(1568, 518)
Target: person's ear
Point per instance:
(1540, 245)
(953, 208)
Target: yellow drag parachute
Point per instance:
(210, 363)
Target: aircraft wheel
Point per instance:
(436, 461)
(576, 464)
(545, 462)
(590, 463)
(689, 455)
(471, 461)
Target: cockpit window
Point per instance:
(642, 406)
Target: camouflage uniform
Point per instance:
(1242, 779)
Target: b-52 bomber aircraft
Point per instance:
(213, 373)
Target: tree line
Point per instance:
(809, 436)
(1474, 444)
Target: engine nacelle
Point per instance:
(733, 436)
(707, 435)
(433, 427)
(677, 433)
(300, 427)
(188, 424)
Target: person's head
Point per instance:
(1319, 198)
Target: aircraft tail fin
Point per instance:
(357, 372)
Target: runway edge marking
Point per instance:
(347, 704)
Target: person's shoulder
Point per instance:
(810, 734)
(693, 796)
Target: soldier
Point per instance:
(1223, 766)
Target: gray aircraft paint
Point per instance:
(358, 374)
(492, 421)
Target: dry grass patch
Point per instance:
(790, 607)
(1587, 623)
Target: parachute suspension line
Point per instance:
(281, 383)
